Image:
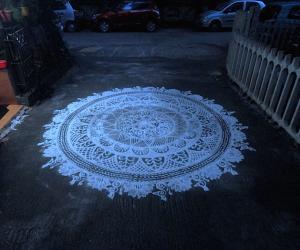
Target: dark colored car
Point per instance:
(281, 11)
(133, 13)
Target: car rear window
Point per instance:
(294, 13)
(234, 7)
(251, 4)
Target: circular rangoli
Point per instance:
(144, 141)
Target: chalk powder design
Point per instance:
(144, 141)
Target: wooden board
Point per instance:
(13, 110)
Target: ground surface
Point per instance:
(258, 209)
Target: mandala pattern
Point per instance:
(144, 140)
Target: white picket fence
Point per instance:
(270, 78)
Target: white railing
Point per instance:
(270, 78)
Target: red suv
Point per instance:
(131, 13)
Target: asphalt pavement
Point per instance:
(256, 209)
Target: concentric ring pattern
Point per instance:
(144, 140)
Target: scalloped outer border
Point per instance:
(163, 188)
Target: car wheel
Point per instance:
(104, 26)
(215, 26)
(70, 27)
(151, 26)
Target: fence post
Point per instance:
(259, 63)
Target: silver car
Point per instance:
(223, 16)
(64, 10)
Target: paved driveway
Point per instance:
(256, 209)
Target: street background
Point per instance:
(258, 209)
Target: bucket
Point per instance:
(3, 64)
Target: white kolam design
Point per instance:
(143, 141)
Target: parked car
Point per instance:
(223, 16)
(66, 13)
(281, 11)
(133, 13)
